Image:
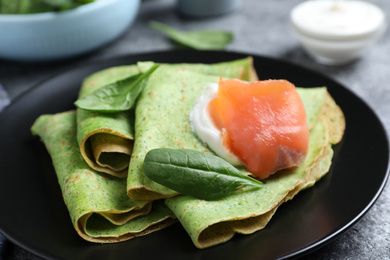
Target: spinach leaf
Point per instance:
(200, 40)
(118, 96)
(193, 173)
(60, 4)
(38, 6)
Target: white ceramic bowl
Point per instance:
(58, 35)
(337, 32)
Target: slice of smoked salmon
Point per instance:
(263, 123)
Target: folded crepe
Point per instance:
(162, 115)
(245, 211)
(162, 121)
(98, 205)
(106, 139)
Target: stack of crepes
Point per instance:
(98, 158)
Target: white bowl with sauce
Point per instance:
(58, 35)
(335, 32)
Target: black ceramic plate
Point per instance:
(34, 216)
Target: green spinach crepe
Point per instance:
(162, 121)
(162, 115)
(98, 204)
(245, 211)
(106, 139)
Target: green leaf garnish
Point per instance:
(39, 6)
(193, 173)
(118, 96)
(200, 40)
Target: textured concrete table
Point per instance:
(260, 27)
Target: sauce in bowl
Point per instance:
(337, 31)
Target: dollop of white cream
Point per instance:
(204, 128)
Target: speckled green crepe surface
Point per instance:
(106, 139)
(240, 69)
(209, 223)
(98, 205)
(313, 100)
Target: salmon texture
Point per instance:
(263, 123)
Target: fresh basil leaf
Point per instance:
(193, 173)
(118, 96)
(200, 40)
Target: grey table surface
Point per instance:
(260, 28)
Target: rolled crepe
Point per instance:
(245, 211)
(106, 139)
(98, 205)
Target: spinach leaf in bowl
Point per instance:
(38, 6)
